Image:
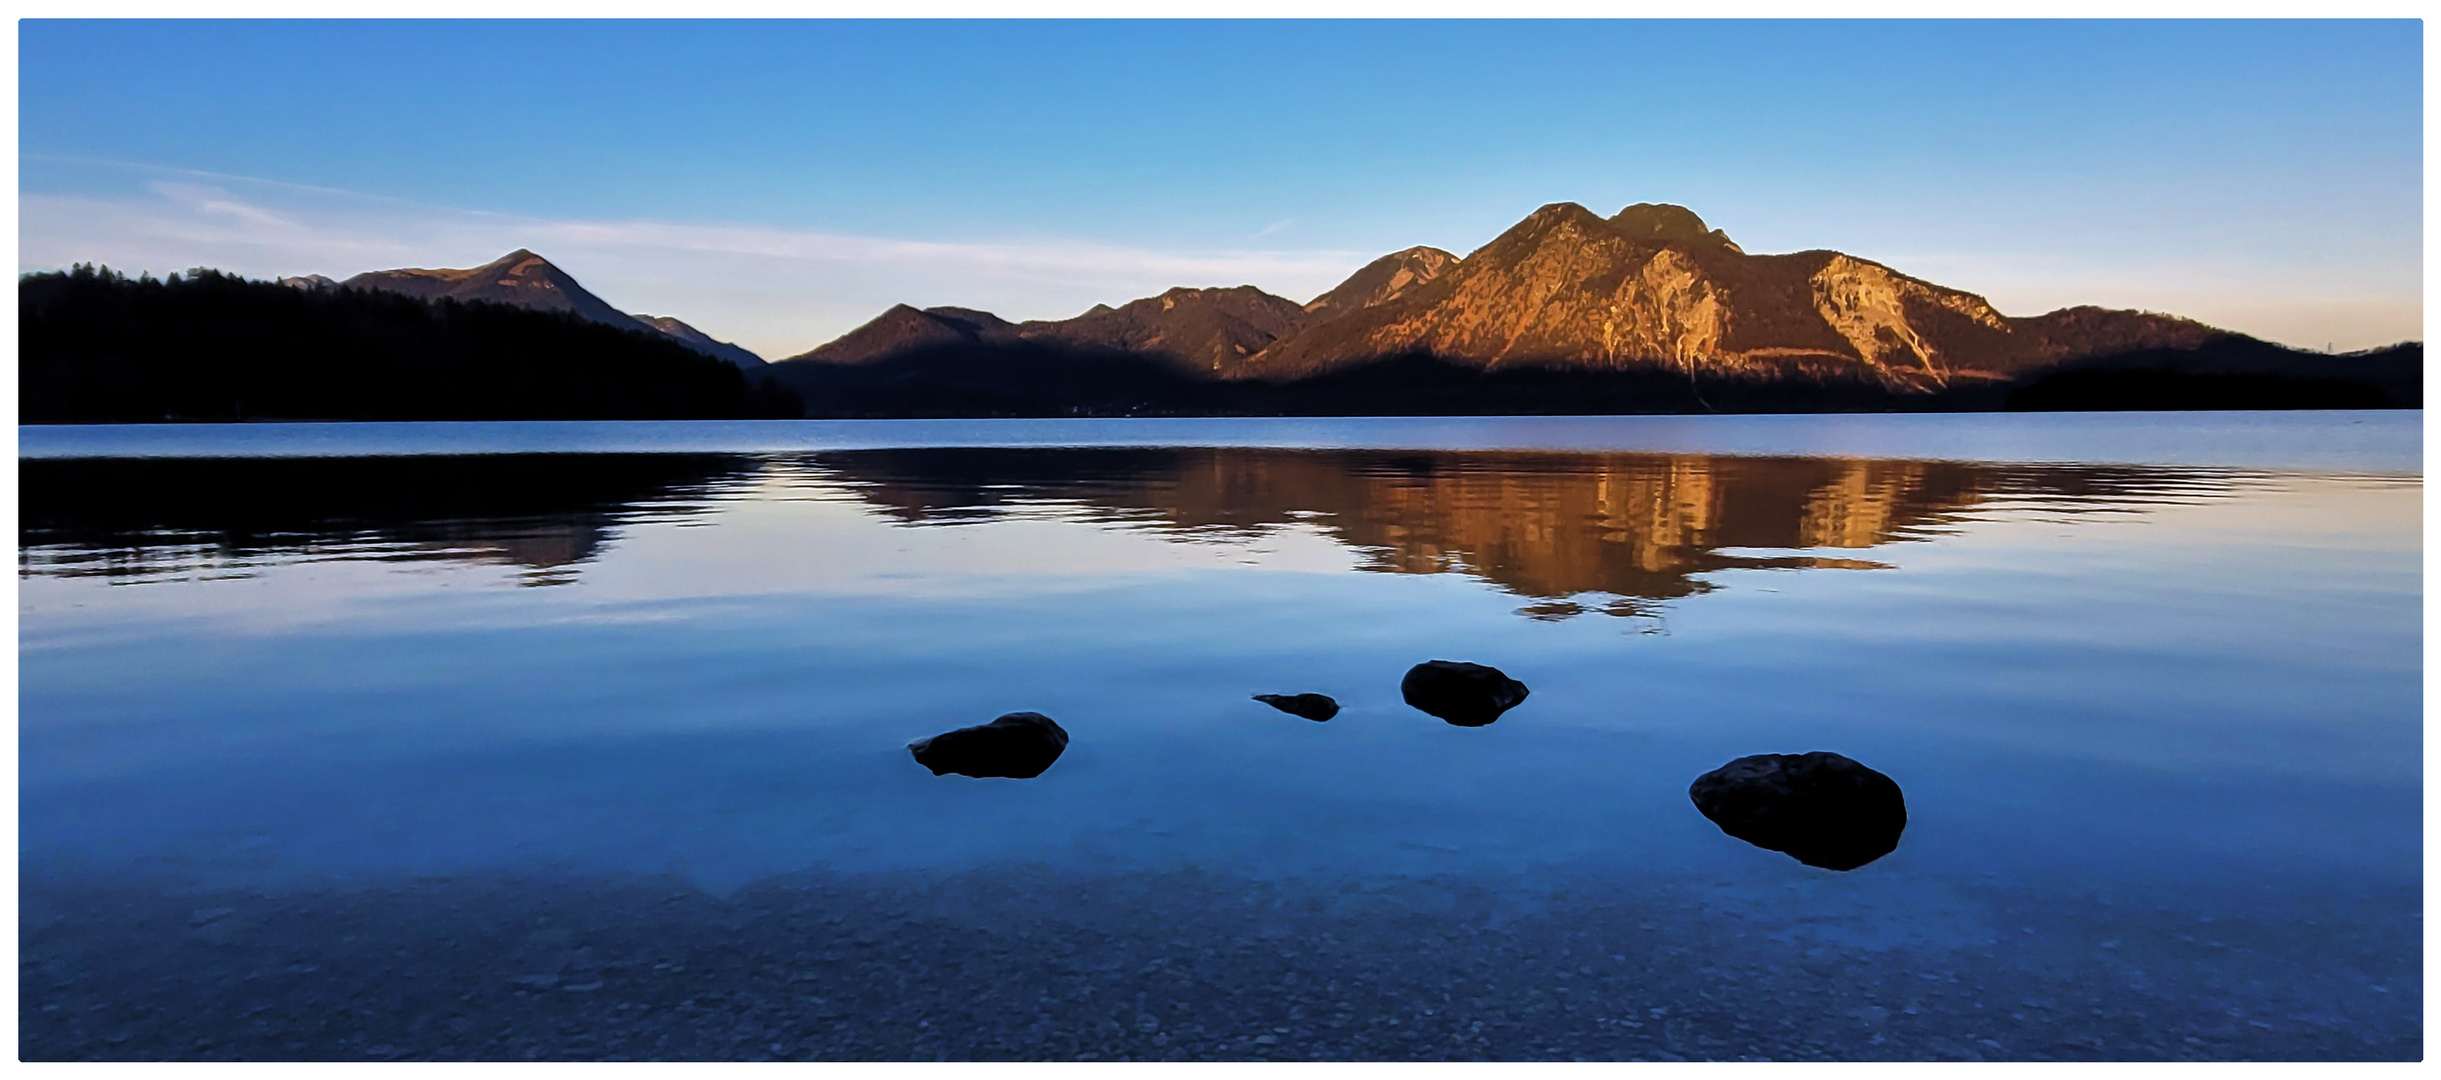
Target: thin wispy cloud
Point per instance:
(775, 290)
(214, 201)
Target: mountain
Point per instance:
(1204, 331)
(1662, 221)
(1653, 287)
(520, 277)
(524, 279)
(1201, 330)
(1381, 281)
(903, 330)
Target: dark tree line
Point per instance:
(1034, 379)
(96, 346)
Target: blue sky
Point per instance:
(777, 183)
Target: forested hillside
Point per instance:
(97, 346)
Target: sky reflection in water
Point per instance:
(263, 668)
(2157, 725)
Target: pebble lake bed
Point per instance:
(592, 742)
(1018, 965)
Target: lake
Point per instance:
(501, 741)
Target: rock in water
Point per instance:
(1468, 695)
(1315, 707)
(1019, 746)
(1820, 808)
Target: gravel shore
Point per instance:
(1028, 964)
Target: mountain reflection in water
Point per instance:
(1573, 532)
(1553, 527)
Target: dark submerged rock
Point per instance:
(1314, 707)
(1019, 746)
(1468, 695)
(1820, 809)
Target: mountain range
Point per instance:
(1650, 309)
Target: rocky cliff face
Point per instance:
(527, 280)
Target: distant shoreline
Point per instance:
(2388, 441)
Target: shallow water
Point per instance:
(589, 742)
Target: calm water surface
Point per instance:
(497, 741)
